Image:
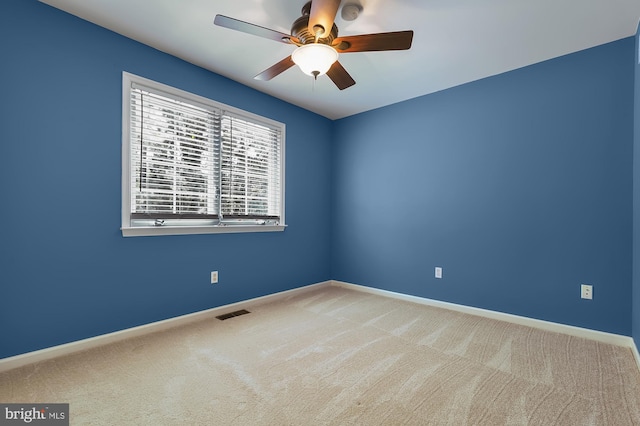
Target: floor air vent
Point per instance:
(233, 314)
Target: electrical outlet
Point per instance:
(214, 277)
(438, 272)
(586, 291)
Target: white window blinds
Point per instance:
(173, 158)
(250, 178)
(191, 163)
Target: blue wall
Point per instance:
(67, 272)
(518, 185)
(636, 197)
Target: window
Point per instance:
(191, 165)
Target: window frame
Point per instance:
(130, 230)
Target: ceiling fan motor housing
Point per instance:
(300, 29)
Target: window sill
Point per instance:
(147, 231)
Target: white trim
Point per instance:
(636, 354)
(148, 231)
(600, 336)
(93, 342)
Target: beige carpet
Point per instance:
(335, 356)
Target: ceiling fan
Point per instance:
(316, 36)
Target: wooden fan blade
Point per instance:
(397, 40)
(276, 69)
(323, 13)
(340, 76)
(245, 27)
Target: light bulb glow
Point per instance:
(314, 59)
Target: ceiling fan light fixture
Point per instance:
(314, 59)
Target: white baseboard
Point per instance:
(636, 354)
(600, 336)
(80, 345)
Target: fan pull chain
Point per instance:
(319, 29)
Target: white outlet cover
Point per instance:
(438, 272)
(586, 291)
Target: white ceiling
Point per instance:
(455, 41)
